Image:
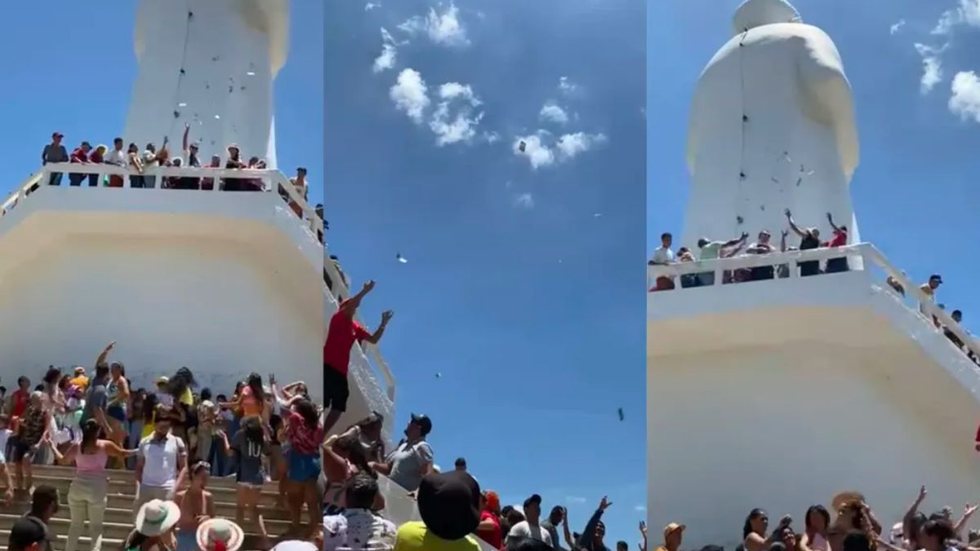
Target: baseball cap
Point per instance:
(57, 135)
(423, 422)
(25, 532)
(673, 527)
(535, 499)
(162, 380)
(937, 277)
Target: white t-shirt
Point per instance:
(4, 436)
(115, 157)
(160, 460)
(710, 250)
(524, 530)
(663, 255)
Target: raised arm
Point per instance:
(910, 514)
(104, 354)
(736, 241)
(830, 219)
(187, 132)
(792, 224)
(960, 524)
(350, 305)
(380, 331)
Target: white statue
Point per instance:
(772, 128)
(209, 64)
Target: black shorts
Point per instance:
(336, 390)
(19, 450)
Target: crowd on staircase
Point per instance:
(850, 525)
(274, 441)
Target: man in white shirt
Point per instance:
(530, 528)
(663, 256)
(161, 464)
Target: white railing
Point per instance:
(786, 265)
(272, 181)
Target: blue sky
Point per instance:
(915, 192)
(528, 304)
(82, 89)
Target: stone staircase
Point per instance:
(119, 512)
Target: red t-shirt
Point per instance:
(20, 403)
(492, 536)
(341, 335)
(839, 239)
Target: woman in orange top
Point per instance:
(251, 400)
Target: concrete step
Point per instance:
(111, 544)
(117, 488)
(61, 471)
(126, 514)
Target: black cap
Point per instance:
(535, 498)
(25, 532)
(423, 422)
(449, 504)
(937, 277)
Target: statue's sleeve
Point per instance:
(828, 98)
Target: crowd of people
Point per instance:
(138, 162)
(175, 436)
(851, 526)
(809, 239)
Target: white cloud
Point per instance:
(552, 112)
(932, 66)
(459, 124)
(897, 26)
(574, 499)
(640, 508)
(572, 145)
(491, 137)
(967, 13)
(389, 53)
(965, 101)
(443, 28)
(371, 6)
(542, 151)
(524, 201)
(566, 86)
(410, 94)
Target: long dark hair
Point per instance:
(149, 406)
(252, 429)
(820, 510)
(307, 411)
(355, 453)
(747, 527)
(181, 381)
(90, 434)
(254, 382)
(52, 375)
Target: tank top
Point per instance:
(112, 394)
(90, 464)
(819, 543)
(251, 406)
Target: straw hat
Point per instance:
(156, 517)
(219, 529)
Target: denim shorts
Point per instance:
(302, 467)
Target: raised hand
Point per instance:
(785, 521)
(604, 504)
(643, 528)
(969, 510)
(368, 286)
(922, 494)
(788, 213)
(386, 316)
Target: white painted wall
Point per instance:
(210, 304)
(787, 426)
(788, 79)
(230, 52)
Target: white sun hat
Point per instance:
(219, 529)
(157, 517)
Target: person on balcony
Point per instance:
(116, 157)
(55, 152)
(712, 250)
(929, 290)
(761, 247)
(342, 332)
(836, 265)
(299, 185)
(79, 156)
(809, 239)
(663, 256)
(234, 162)
(96, 157)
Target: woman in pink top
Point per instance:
(814, 538)
(87, 493)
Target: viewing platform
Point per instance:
(216, 280)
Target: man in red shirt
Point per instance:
(342, 332)
(836, 265)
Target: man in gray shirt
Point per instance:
(412, 459)
(55, 152)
